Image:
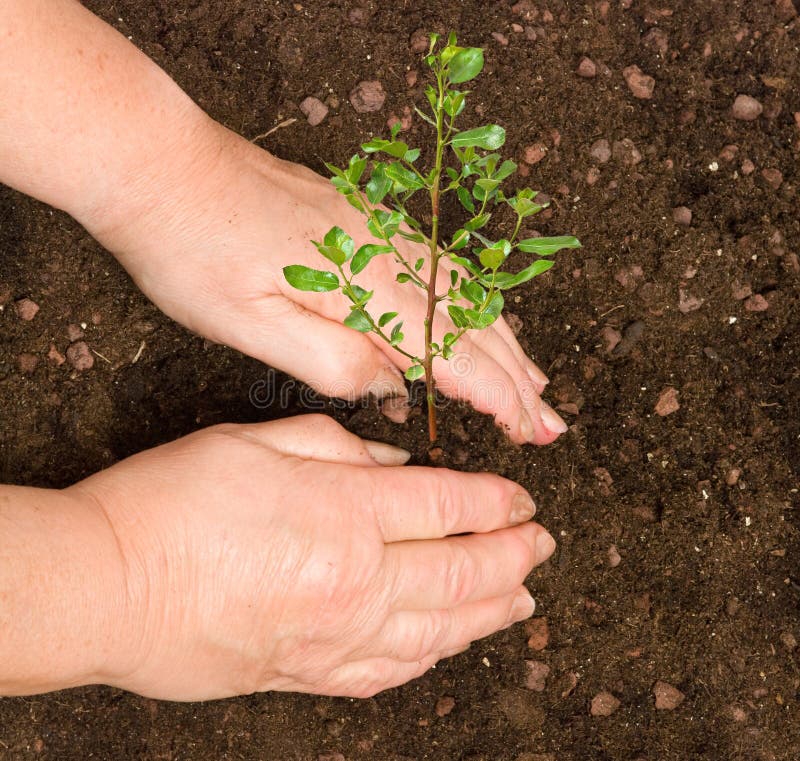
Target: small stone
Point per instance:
(80, 356)
(526, 9)
(314, 110)
(538, 632)
(639, 83)
(748, 167)
(738, 714)
(629, 277)
(797, 119)
(667, 402)
(626, 152)
(419, 41)
(587, 68)
(603, 704)
(657, 39)
(567, 684)
(444, 705)
(789, 641)
(746, 109)
(74, 332)
(732, 606)
(358, 16)
(368, 96)
(500, 38)
(517, 28)
(55, 356)
(682, 215)
(774, 177)
(592, 176)
(600, 151)
(537, 675)
(728, 153)
(411, 77)
(667, 697)
(732, 476)
(741, 292)
(756, 303)
(614, 558)
(404, 120)
(569, 407)
(27, 362)
(26, 309)
(534, 153)
(547, 17)
(514, 322)
(611, 337)
(688, 303)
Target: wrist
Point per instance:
(62, 587)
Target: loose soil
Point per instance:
(699, 505)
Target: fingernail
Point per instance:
(551, 420)
(526, 426)
(386, 454)
(387, 382)
(523, 607)
(536, 375)
(522, 508)
(545, 546)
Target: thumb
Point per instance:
(333, 359)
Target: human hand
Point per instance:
(282, 556)
(210, 253)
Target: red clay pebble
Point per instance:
(797, 119)
(657, 39)
(600, 150)
(626, 152)
(411, 77)
(444, 705)
(368, 96)
(682, 215)
(314, 110)
(756, 303)
(741, 292)
(728, 153)
(358, 16)
(419, 41)
(526, 9)
(667, 402)
(603, 704)
(534, 153)
(500, 38)
(667, 697)
(537, 675)
(688, 303)
(774, 177)
(55, 356)
(538, 632)
(639, 83)
(748, 167)
(26, 309)
(611, 338)
(746, 109)
(614, 558)
(587, 68)
(732, 476)
(514, 322)
(79, 356)
(74, 332)
(27, 362)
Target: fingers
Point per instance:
(410, 636)
(330, 357)
(427, 503)
(448, 573)
(368, 677)
(533, 370)
(321, 438)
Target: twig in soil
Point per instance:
(613, 309)
(138, 353)
(105, 359)
(284, 123)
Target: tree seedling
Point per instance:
(464, 163)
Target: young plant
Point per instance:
(464, 163)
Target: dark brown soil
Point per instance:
(707, 592)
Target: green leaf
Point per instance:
(415, 237)
(396, 336)
(547, 246)
(466, 199)
(307, 279)
(458, 316)
(490, 137)
(412, 155)
(467, 264)
(355, 169)
(415, 372)
(471, 291)
(493, 256)
(422, 115)
(403, 277)
(338, 238)
(384, 224)
(507, 168)
(355, 202)
(453, 103)
(404, 178)
(375, 145)
(465, 65)
(366, 253)
(487, 184)
(379, 184)
(357, 320)
(449, 339)
(361, 296)
(432, 97)
(453, 278)
(460, 240)
(505, 280)
(419, 264)
(386, 318)
(476, 223)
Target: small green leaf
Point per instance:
(375, 145)
(412, 155)
(506, 280)
(432, 97)
(487, 184)
(307, 279)
(449, 339)
(338, 238)
(384, 224)
(460, 240)
(471, 291)
(355, 169)
(366, 253)
(466, 199)
(357, 320)
(465, 65)
(490, 137)
(361, 296)
(414, 237)
(458, 316)
(396, 336)
(507, 168)
(415, 372)
(386, 318)
(402, 177)
(419, 264)
(491, 258)
(453, 278)
(403, 277)
(476, 223)
(453, 103)
(355, 202)
(379, 184)
(467, 264)
(547, 246)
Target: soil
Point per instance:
(701, 590)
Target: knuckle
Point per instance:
(462, 575)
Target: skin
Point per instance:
(241, 558)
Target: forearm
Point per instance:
(61, 587)
(87, 122)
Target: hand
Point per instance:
(211, 251)
(282, 556)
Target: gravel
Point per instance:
(640, 84)
(746, 108)
(368, 96)
(314, 110)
